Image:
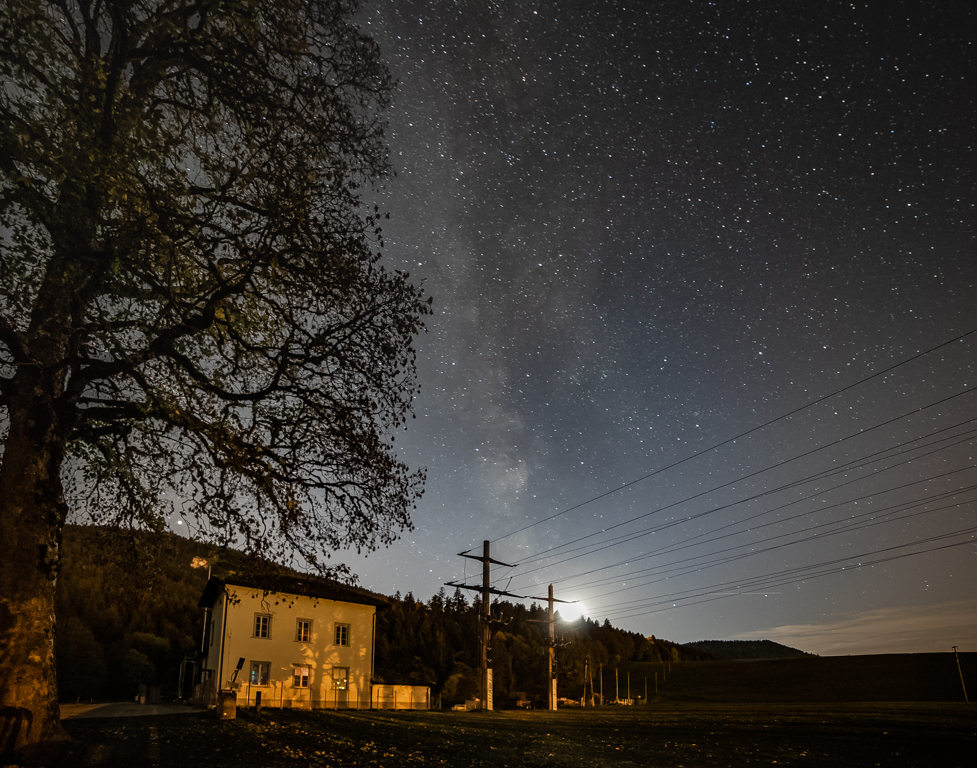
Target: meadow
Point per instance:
(905, 710)
(938, 735)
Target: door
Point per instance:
(340, 686)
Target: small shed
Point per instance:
(401, 696)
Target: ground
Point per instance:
(666, 735)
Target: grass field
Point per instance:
(937, 735)
(904, 710)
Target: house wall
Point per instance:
(282, 651)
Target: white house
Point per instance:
(288, 642)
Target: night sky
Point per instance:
(655, 234)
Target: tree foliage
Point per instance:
(182, 225)
(192, 303)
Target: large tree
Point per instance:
(192, 305)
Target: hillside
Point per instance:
(126, 608)
(745, 649)
(127, 616)
(128, 598)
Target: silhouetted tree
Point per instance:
(190, 294)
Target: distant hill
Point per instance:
(812, 679)
(733, 650)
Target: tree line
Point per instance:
(437, 643)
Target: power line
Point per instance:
(791, 576)
(847, 525)
(696, 564)
(686, 567)
(859, 463)
(723, 556)
(834, 443)
(739, 436)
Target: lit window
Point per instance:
(260, 672)
(300, 677)
(262, 625)
(342, 634)
(303, 630)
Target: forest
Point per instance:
(436, 643)
(127, 616)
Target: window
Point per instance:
(262, 625)
(303, 630)
(342, 634)
(300, 676)
(260, 672)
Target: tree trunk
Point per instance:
(32, 514)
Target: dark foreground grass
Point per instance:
(671, 735)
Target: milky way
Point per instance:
(648, 231)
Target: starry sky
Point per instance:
(703, 351)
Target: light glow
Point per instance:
(570, 611)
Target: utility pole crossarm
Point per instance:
(483, 558)
(555, 599)
(490, 590)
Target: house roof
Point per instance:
(302, 585)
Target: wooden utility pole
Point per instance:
(590, 676)
(552, 653)
(485, 619)
(961, 675)
(586, 676)
(485, 675)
